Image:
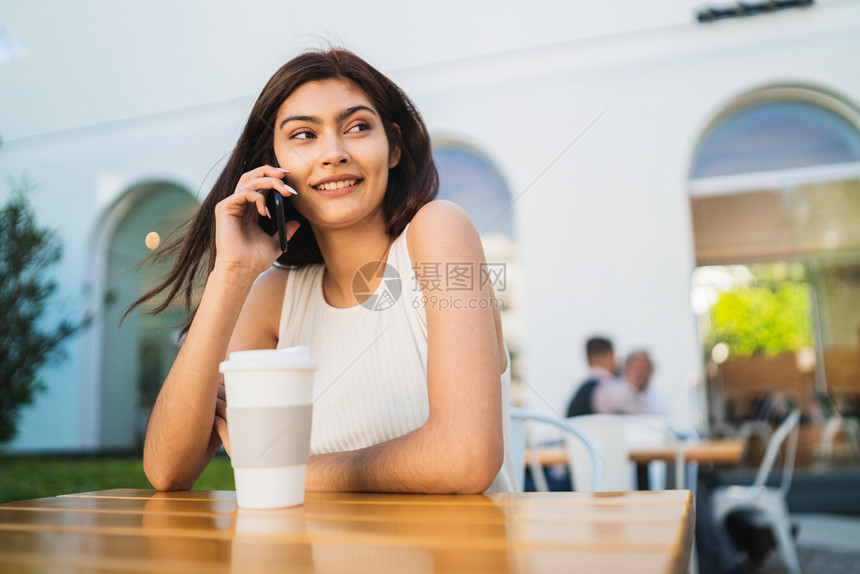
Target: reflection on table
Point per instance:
(204, 531)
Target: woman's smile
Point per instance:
(337, 185)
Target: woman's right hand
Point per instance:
(240, 243)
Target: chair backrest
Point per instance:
(788, 428)
(614, 436)
(610, 442)
(587, 465)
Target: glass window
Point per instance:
(778, 287)
(774, 136)
(472, 182)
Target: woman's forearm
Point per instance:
(179, 438)
(430, 460)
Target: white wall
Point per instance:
(106, 96)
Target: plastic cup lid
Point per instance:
(297, 358)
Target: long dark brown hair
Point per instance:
(412, 183)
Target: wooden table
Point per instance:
(718, 451)
(204, 531)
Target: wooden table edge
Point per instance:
(687, 537)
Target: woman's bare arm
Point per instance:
(180, 438)
(461, 447)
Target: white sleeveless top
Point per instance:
(371, 385)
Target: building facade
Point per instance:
(588, 120)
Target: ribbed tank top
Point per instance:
(371, 385)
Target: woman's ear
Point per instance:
(394, 151)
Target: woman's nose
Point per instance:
(333, 152)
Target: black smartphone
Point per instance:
(275, 202)
(278, 209)
(278, 223)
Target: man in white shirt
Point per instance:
(629, 394)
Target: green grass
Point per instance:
(25, 477)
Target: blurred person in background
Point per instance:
(630, 394)
(601, 367)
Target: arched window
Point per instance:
(777, 176)
(776, 135)
(469, 179)
(138, 354)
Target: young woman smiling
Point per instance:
(408, 398)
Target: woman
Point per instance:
(410, 396)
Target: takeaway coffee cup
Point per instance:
(269, 411)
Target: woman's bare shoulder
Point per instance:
(441, 228)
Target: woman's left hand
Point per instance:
(221, 417)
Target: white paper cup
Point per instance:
(269, 413)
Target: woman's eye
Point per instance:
(359, 127)
(302, 135)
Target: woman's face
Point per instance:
(332, 140)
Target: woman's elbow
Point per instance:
(476, 469)
(474, 484)
(164, 479)
(166, 482)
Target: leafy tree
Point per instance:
(768, 319)
(26, 251)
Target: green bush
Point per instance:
(762, 319)
(26, 251)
